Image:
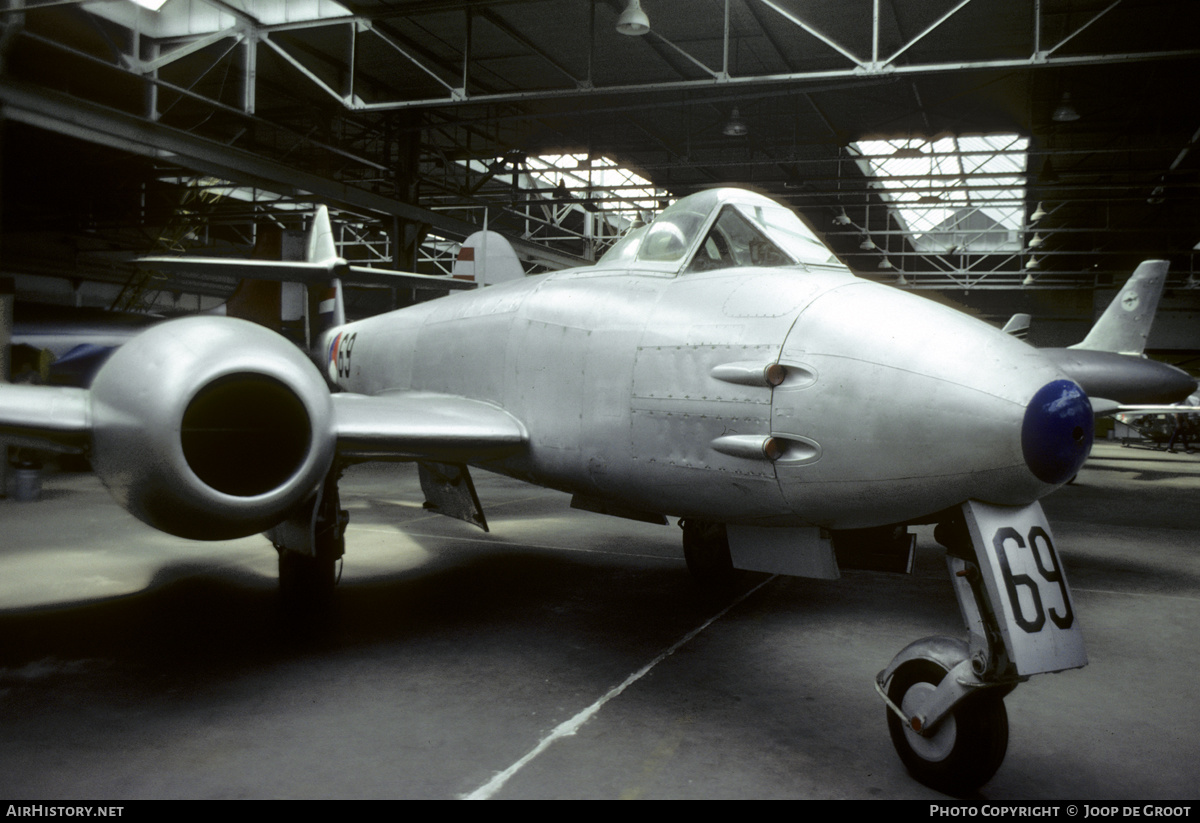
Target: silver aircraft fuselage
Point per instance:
(647, 388)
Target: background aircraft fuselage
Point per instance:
(1123, 378)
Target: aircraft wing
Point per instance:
(300, 272)
(424, 425)
(404, 425)
(56, 418)
(1102, 407)
(367, 276)
(1168, 409)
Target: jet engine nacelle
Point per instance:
(211, 428)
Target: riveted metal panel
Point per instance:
(470, 357)
(678, 408)
(550, 380)
(759, 295)
(569, 375)
(684, 372)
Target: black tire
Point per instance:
(306, 582)
(706, 550)
(968, 746)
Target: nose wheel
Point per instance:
(945, 695)
(960, 753)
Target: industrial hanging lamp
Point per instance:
(633, 21)
(1065, 113)
(736, 127)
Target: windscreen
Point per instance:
(786, 229)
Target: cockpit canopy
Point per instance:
(717, 229)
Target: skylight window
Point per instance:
(964, 194)
(613, 189)
(190, 20)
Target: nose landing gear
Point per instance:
(945, 696)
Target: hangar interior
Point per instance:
(1001, 156)
(1007, 156)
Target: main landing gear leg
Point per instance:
(310, 543)
(706, 550)
(945, 696)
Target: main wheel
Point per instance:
(966, 748)
(706, 550)
(306, 582)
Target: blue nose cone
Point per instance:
(1056, 435)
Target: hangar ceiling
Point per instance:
(125, 127)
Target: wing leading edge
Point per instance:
(417, 425)
(49, 417)
(397, 425)
(301, 272)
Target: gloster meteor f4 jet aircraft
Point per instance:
(720, 366)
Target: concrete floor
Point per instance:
(135, 665)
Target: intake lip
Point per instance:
(1056, 435)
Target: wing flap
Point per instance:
(424, 425)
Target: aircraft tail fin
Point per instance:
(320, 247)
(292, 297)
(326, 302)
(1125, 324)
(1018, 326)
(329, 305)
(487, 258)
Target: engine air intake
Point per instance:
(245, 434)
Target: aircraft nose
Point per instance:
(1182, 384)
(1056, 434)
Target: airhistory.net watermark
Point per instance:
(45, 810)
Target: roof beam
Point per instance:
(829, 41)
(858, 72)
(67, 115)
(920, 36)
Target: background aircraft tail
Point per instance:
(286, 289)
(1018, 326)
(1125, 324)
(313, 262)
(320, 247)
(296, 288)
(487, 258)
